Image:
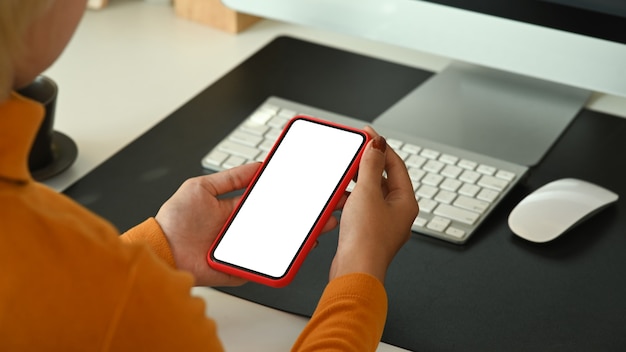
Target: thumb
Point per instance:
(372, 162)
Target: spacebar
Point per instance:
(458, 214)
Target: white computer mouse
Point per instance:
(556, 207)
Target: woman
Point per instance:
(70, 282)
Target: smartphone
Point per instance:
(290, 199)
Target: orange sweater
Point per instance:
(67, 282)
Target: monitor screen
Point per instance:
(606, 7)
(556, 51)
(602, 19)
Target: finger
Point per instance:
(397, 175)
(373, 163)
(393, 163)
(342, 201)
(370, 130)
(230, 180)
(231, 281)
(330, 224)
(373, 134)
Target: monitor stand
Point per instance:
(503, 115)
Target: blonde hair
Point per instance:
(15, 16)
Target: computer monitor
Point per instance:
(521, 71)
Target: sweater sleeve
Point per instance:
(150, 232)
(350, 316)
(156, 312)
(177, 320)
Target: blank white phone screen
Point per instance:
(295, 186)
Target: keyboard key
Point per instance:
(445, 197)
(430, 154)
(254, 128)
(427, 205)
(277, 122)
(467, 164)
(448, 159)
(433, 166)
(420, 222)
(287, 114)
(451, 171)
(469, 176)
(266, 145)
(245, 138)
(432, 179)
(411, 148)
(427, 191)
(271, 108)
(493, 183)
(261, 116)
(215, 158)
(453, 231)
(394, 143)
(273, 134)
(450, 184)
(469, 190)
(416, 174)
(233, 148)
(415, 161)
(488, 195)
(234, 161)
(261, 157)
(486, 169)
(505, 175)
(438, 224)
(472, 204)
(461, 215)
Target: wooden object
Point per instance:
(96, 4)
(213, 13)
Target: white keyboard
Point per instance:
(455, 189)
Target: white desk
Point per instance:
(134, 63)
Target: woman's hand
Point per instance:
(193, 217)
(377, 216)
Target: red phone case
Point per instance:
(317, 228)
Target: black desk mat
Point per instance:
(495, 293)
